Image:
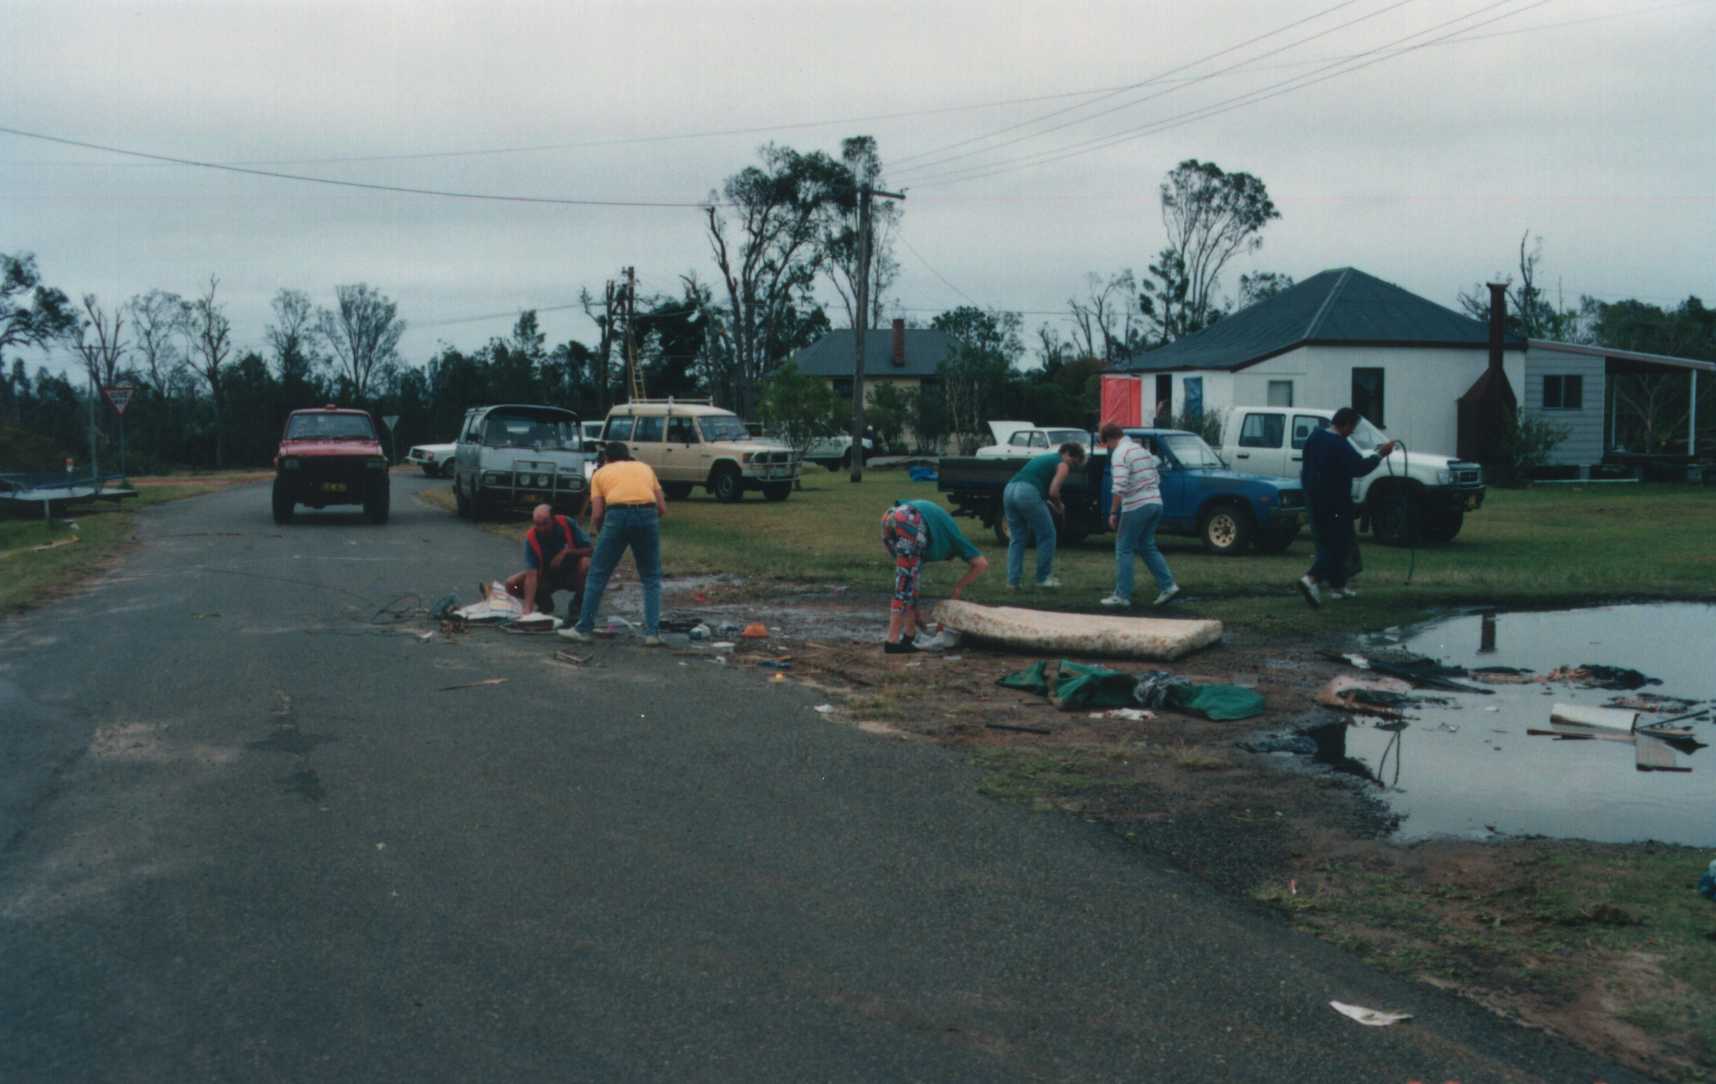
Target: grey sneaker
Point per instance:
(654, 641)
(1308, 588)
(1166, 595)
(570, 632)
(1115, 602)
(1051, 582)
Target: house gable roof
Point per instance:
(832, 355)
(1343, 306)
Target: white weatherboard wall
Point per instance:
(1421, 386)
(1584, 444)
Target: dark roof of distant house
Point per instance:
(832, 355)
(1343, 306)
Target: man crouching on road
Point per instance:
(1330, 465)
(626, 510)
(556, 558)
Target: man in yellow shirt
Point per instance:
(626, 509)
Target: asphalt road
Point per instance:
(246, 837)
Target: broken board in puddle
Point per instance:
(1079, 634)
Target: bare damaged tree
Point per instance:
(210, 333)
(779, 207)
(840, 236)
(1210, 216)
(99, 339)
(362, 332)
(604, 319)
(1106, 319)
(156, 317)
(292, 336)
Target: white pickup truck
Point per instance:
(1411, 496)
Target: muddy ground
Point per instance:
(1506, 923)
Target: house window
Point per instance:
(1280, 393)
(1262, 430)
(843, 389)
(1563, 393)
(1367, 395)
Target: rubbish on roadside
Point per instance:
(567, 656)
(425, 637)
(483, 684)
(1018, 729)
(1422, 671)
(939, 641)
(778, 678)
(699, 633)
(1131, 715)
(1041, 631)
(952, 658)
(442, 607)
(1601, 718)
(1216, 702)
(1502, 675)
(728, 628)
(722, 645)
(922, 474)
(1384, 696)
(1078, 685)
(497, 605)
(1152, 689)
(1654, 755)
(1596, 676)
(532, 623)
(1374, 1018)
(823, 709)
(756, 630)
(774, 664)
(1707, 883)
(1032, 679)
(1661, 705)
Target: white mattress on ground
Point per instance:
(1079, 634)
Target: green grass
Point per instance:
(30, 576)
(1524, 548)
(1559, 919)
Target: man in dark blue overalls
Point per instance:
(1330, 465)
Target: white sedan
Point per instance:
(435, 459)
(1017, 439)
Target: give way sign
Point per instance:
(119, 395)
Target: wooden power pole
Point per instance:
(860, 323)
(634, 376)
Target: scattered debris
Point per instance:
(1375, 1018)
(756, 630)
(784, 663)
(1600, 718)
(1018, 729)
(1596, 676)
(1384, 696)
(568, 657)
(497, 605)
(823, 709)
(778, 679)
(425, 637)
(1131, 715)
(475, 684)
(722, 645)
(699, 632)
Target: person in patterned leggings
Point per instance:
(914, 532)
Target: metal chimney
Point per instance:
(899, 355)
(1498, 321)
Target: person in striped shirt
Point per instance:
(1134, 513)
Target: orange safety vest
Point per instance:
(536, 543)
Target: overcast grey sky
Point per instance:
(1589, 123)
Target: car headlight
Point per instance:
(1444, 477)
(289, 464)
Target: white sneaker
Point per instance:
(1115, 602)
(1166, 595)
(654, 641)
(571, 633)
(1051, 582)
(1308, 588)
(1343, 592)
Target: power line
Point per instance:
(1120, 90)
(937, 274)
(441, 193)
(1055, 154)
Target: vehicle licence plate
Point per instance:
(333, 487)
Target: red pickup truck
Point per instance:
(330, 455)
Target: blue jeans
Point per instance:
(640, 529)
(1137, 537)
(1027, 514)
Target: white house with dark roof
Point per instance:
(1340, 337)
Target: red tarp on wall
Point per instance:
(1122, 400)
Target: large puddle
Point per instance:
(1468, 768)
